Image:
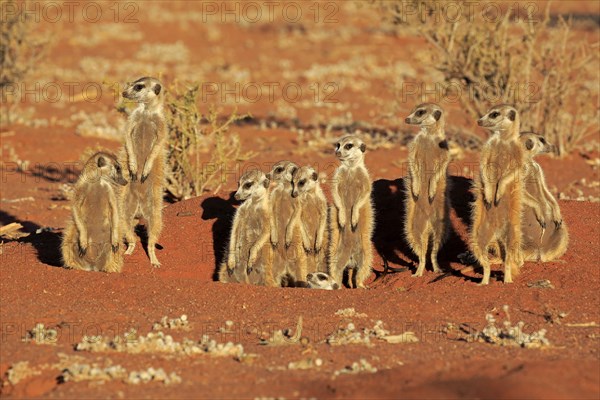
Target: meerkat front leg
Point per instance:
(488, 186)
(357, 208)
(131, 159)
(83, 239)
(341, 211)
(292, 225)
(503, 183)
(233, 244)
(415, 184)
(274, 230)
(321, 229)
(114, 211)
(157, 148)
(260, 242)
(531, 202)
(435, 179)
(550, 200)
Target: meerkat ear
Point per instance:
(157, 89)
(512, 115)
(101, 162)
(266, 182)
(363, 147)
(437, 114)
(529, 144)
(315, 176)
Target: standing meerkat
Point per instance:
(145, 141)
(91, 239)
(289, 260)
(426, 196)
(311, 217)
(545, 236)
(496, 212)
(249, 257)
(351, 218)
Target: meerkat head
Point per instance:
(500, 118)
(282, 171)
(320, 280)
(304, 180)
(104, 166)
(145, 90)
(535, 144)
(253, 183)
(350, 149)
(426, 115)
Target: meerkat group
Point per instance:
(106, 207)
(311, 244)
(285, 234)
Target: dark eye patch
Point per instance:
(348, 146)
(247, 185)
(279, 170)
(495, 114)
(543, 140)
(321, 277)
(420, 113)
(302, 182)
(138, 87)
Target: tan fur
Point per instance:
(145, 141)
(249, 256)
(426, 195)
(545, 235)
(351, 218)
(311, 217)
(496, 212)
(91, 239)
(289, 259)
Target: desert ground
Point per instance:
(303, 82)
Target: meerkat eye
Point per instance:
(420, 113)
(494, 115)
(348, 146)
(301, 183)
(543, 140)
(322, 277)
(279, 170)
(138, 87)
(247, 185)
(118, 168)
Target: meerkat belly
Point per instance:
(144, 138)
(98, 224)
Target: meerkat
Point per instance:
(289, 260)
(249, 256)
(91, 239)
(496, 212)
(145, 141)
(320, 280)
(426, 195)
(351, 218)
(542, 241)
(311, 217)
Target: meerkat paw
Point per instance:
(483, 283)
(155, 264)
(130, 248)
(254, 256)
(83, 246)
(274, 241)
(133, 175)
(115, 247)
(558, 223)
(341, 220)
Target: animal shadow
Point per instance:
(388, 237)
(223, 211)
(46, 243)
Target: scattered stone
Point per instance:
(41, 335)
(541, 284)
(349, 313)
(356, 368)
